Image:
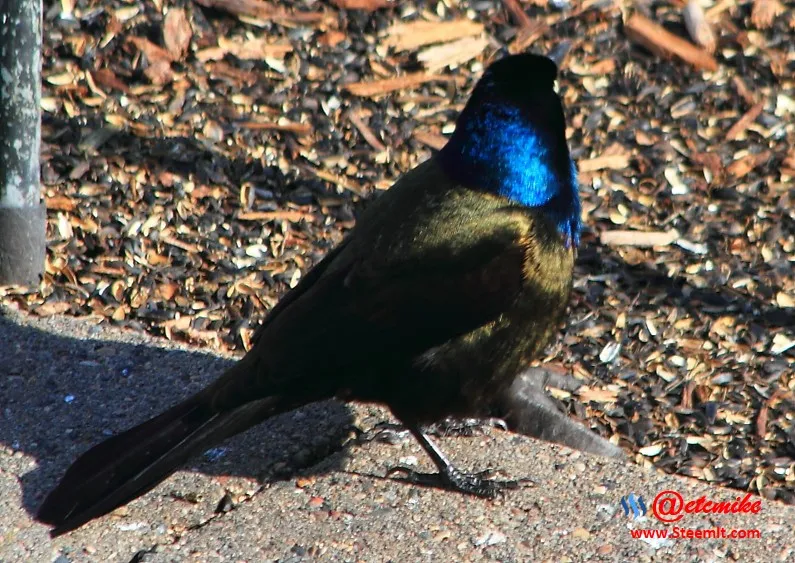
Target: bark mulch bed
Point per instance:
(199, 156)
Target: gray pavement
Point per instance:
(299, 488)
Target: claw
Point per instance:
(386, 433)
(477, 484)
(465, 426)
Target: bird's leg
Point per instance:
(449, 476)
(465, 426)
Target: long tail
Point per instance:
(126, 466)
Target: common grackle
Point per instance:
(450, 281)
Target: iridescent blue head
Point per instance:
(511, 140)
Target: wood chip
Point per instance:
(639, 238)
(698, 27)
(597, 395)
(742, 124)
(187, 247)
(60, 203)
(433, 140)
(107, 78)
(177, 33)
(365, 131)
(665, 44)
(761, 422)
(284, 215)
(742, 167)
(154, 54)
(297, 128)
(159, 72)
(518, 15)
(53, 308)
(605, 162)
(743, 90)
(714, 11)
(765, 11)
(332, 38)
(379, 87)
(244, 77)
(254, 49)
(211, 54)
(366, 5)
(452, 54)
(527, 36)
(651, 451)
(341, 181)
(409, 36)
(262, 10)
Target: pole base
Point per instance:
(22, 244)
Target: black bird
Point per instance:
(448, 284)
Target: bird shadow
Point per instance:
(62, 395)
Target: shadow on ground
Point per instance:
(62, 395)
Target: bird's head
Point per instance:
(510, 139)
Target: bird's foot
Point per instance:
(385, 432)
(479, 484)
(465, 426)
(390, 433)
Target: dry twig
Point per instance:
(664, 43)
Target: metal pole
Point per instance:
(22, 211)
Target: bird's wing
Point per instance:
(427, 261)
(443, 287)
(304, 284)
(387, 297)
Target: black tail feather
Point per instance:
(130, 464)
